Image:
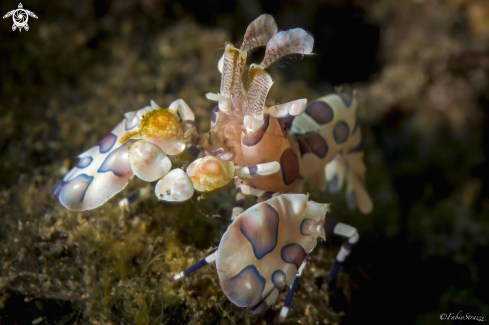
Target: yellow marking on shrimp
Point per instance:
(161, 124)
(210, 173)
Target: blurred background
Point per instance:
(420, 68)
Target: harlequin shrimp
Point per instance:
(267, 150)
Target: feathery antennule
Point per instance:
(227, 78)
(260, 83)
(259, 32)
(233, 65)
(287, 42)
(238, 95)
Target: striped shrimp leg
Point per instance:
(243, 191)
(238, 204)
(206, 261)
(290, 295)
(343, 230)
(260, 195)
(258, 170)
(252, 171)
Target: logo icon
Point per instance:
(20, 17)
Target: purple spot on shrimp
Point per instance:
(278, 277)
(224, 155)
(239, 203)
(312, 142)
(255, 137)
(84, 162)
(117, 161)
(215, 111)
(289, 165)
(346, 98)
(261, 230)
(107, 143)
(305, 224)
(266, 195)
(245, 289)
(288, 121)
(253, 170)
(320, 112)
(341, 132)
(293, 254)
(71, 195)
